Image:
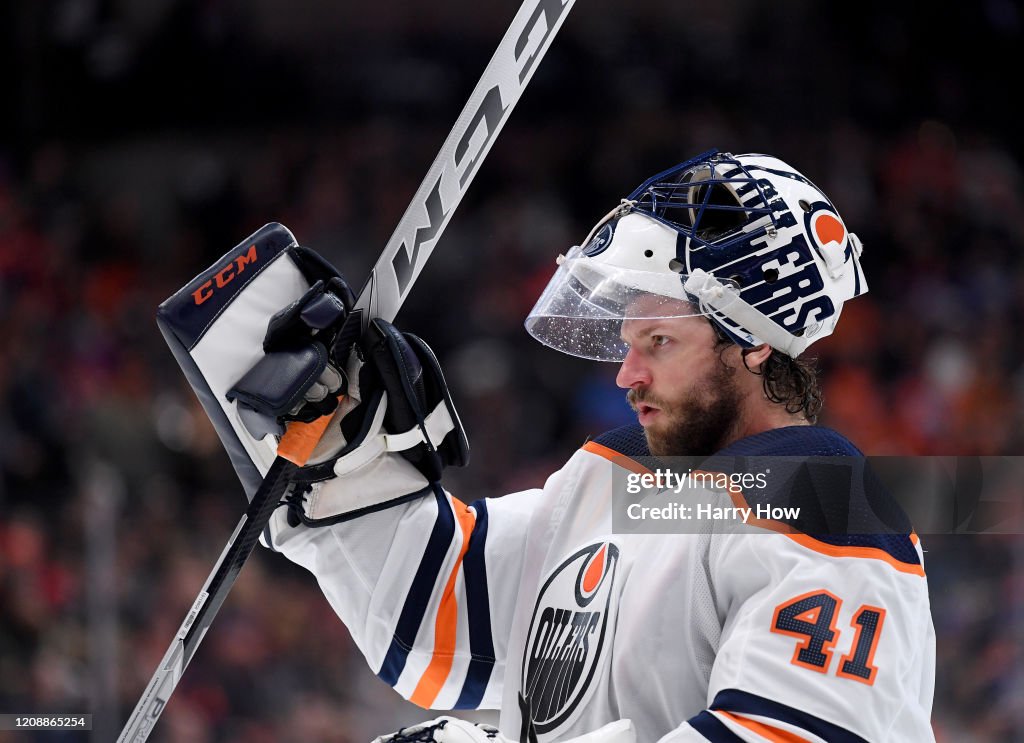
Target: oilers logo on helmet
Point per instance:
(566, 642)
(600, 242)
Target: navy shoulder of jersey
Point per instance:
(814, 470)
(628, 440)
(819, 471)
(794, 441)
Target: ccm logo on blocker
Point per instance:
(224, 276)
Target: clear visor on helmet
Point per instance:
(591, 309)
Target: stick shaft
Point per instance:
(506, 76)
(208, 602)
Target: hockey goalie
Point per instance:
(706, 285)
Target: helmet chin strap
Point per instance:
(724, 299)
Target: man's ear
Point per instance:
(754, 357)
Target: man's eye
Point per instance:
(659, 340)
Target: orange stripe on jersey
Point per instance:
(740, 501)
(832, 550)
(615, 458)
(768, 732)
(446, 623)
(873, 553)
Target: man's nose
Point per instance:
(633, 371)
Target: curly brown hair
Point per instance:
(786, 381)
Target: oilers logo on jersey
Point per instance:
(566, 641)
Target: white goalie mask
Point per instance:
(745, 240)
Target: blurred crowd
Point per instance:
(194, 123)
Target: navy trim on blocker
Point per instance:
(741, 702)
(185, 316)
(478, 614)
(422, 587)
(192, 309)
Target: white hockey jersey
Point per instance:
(531, 603)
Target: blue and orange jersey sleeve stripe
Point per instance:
(467, 526)
(765, 718)
(417, 600)
(478, 612)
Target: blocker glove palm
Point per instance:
(306, 346)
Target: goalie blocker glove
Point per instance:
(393, 445)
(260, 336)
(267, 335)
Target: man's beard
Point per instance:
(697, 425)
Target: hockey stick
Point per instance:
(499, 89)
